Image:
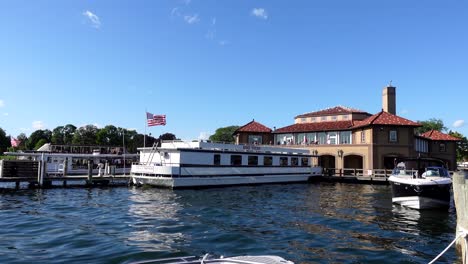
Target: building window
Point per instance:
(345, 137)
(313, 119)
(305, 162)
(334, 118)
(303, 120)
(442, 147)
(255, 139)
(283, 161)
(294, 161)
(393, 136)
(331, 138)
(267, 161)
(363, 136)
(253, 161)
(236, 160)
(324, 118)
(345, 117)
(322, 138)
(217, 160)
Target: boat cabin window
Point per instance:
(267, 160)
(283, 161)
(236, 160)
(253, 161)
(217, 159)
(305, 162)
(294, 161)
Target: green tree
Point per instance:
(40, 143)
(109, 136)
(63, 134)
(167, 136)
(85, 135)
(431, 124)
(36, 136)
(224, 134)
(462, 146)
(4, 141)
(23, 139)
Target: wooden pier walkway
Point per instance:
(376, 176)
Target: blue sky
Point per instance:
(208, 64)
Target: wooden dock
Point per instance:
(33, 174)
(376, 176)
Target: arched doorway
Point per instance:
(389, 162)
(328, 164)
(353, 162)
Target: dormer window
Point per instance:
(324, 118)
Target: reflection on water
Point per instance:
(155, 220)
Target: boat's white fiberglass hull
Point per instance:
(186, 182)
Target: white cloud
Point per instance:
(458, 123)
(94, 19)
(204, 136)
(2, 103)
(223, 42)
(38, 125)
(175, 12)
(260, 13)
(191, 19)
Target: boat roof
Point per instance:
(220, 146)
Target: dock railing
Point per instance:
(358, 174)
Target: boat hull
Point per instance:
(421, 196)
(190, 182)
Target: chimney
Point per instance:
(389, 100)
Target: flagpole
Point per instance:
(146, 124)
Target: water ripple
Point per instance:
(306, 223)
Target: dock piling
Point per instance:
(460, 196)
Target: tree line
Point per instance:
(89, 135)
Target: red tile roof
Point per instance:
(437, 135)
(253, 127)
(385, 118)
(316, 127)
(337, 110)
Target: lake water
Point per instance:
(304, 223)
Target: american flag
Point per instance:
(155, 120)
(15, 142)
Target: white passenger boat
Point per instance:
(179, 164)
(421, 183)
